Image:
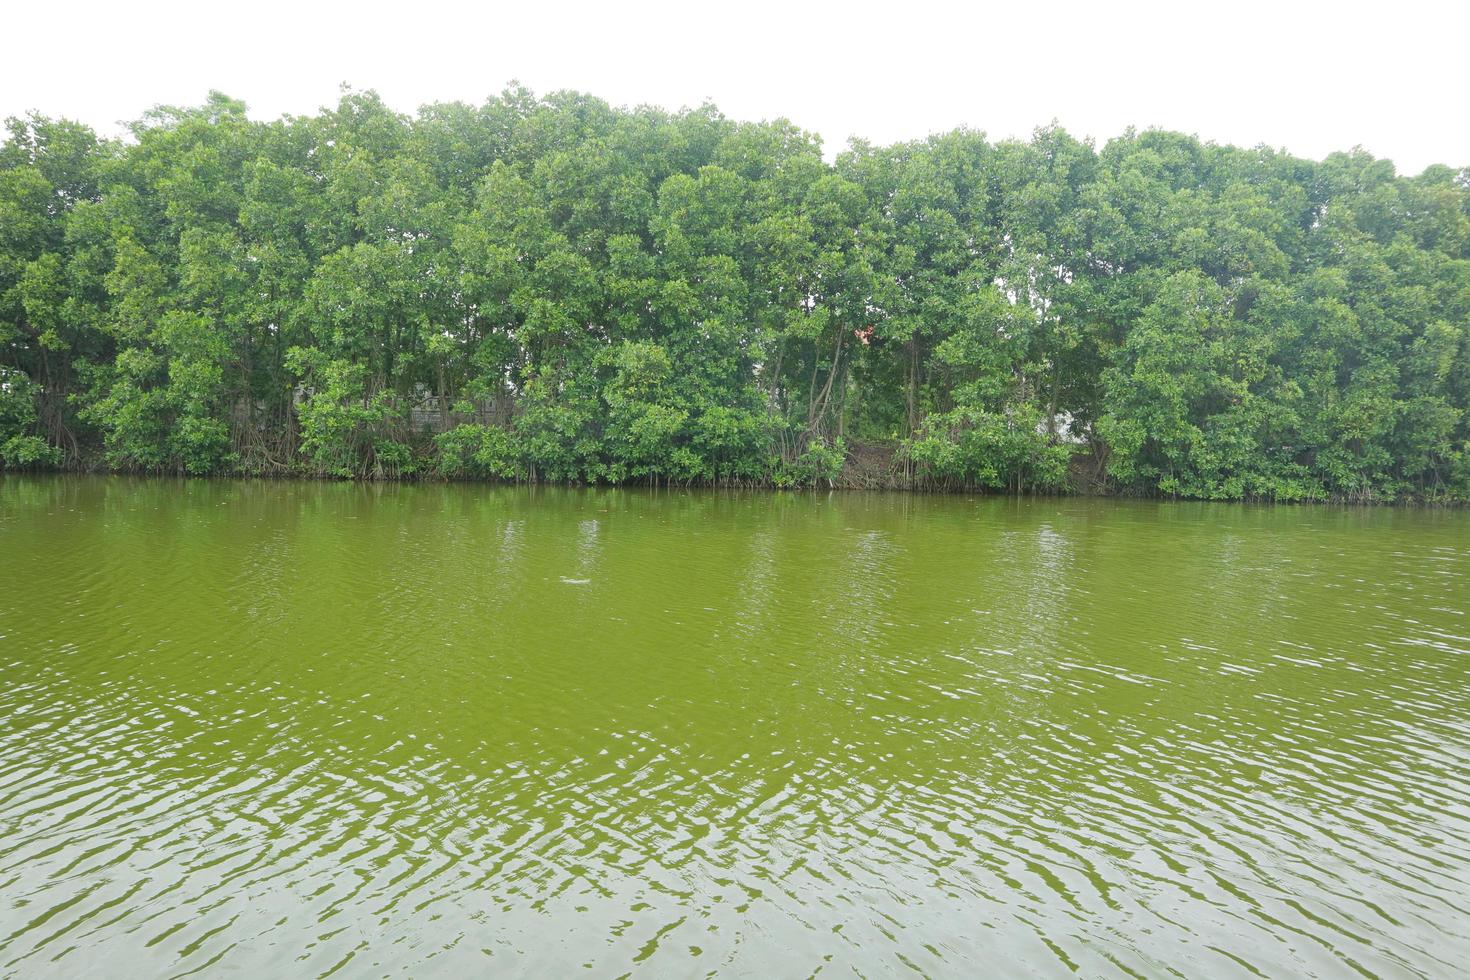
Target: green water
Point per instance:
(293, 728)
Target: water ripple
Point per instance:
(343, 730)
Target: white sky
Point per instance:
(1310, 77)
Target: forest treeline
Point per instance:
(553, 289)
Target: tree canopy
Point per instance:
(554, 289)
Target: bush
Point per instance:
(471, 451)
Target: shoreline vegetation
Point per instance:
(554, 290)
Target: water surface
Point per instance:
(306, 728)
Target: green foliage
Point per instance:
(551, 289)
(482, 452)
(342, 420)
(820, 463)
(974, 447)
(19, 447)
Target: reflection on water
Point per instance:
(306, 728)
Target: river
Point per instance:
(284, 728)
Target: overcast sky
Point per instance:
(1310, 77)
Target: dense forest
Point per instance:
(553, 289)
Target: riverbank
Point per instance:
(863, 473)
